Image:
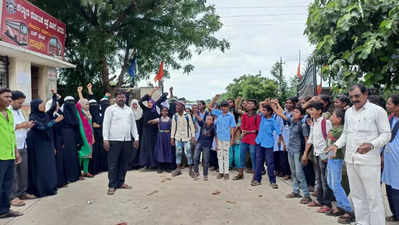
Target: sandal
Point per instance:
(346, 219)
(391, 219)
(111, 191)
(11, 213)
(255, 183)
(324, 209)
(293, 195)
(238, 177)
(314, 204)
(125, 186)
(305, 200)
(337, 213)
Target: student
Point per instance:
(264, 147)
(334, 169)
(163, 148)
(318, 138)
(299, 133)
(183, 134)
(225, 125)
(207, 133)
(250, 122)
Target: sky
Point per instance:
(259, 32)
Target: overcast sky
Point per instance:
(259, 32)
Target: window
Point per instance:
(3, 71)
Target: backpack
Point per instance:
(188, 124)
(324, 128)
(394, 128)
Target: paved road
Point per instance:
(162, 200)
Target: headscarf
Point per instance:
(70, 112)
(95, 111)
(36, 114)
(85, 118)
(138, 113)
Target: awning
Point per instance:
(11, 50)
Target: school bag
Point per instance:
(188, 125)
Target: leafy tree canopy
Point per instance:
(357, 40)
(252, 87)
(104, 35)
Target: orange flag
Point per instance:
(319, 89)
(160, 73)
(298, 71)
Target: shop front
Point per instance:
(31, 49)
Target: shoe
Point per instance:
(88, 175)
(205, 178)
(226, 177)
(219, 176)
(255, 183)
(28, 197)
(176, 172)
(305, 200)
(274, 186)
(159, 171)
(17, 202)
(249, 171)
(191, 172)
(293, 195)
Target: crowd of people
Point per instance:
(337, 153)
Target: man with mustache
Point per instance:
(366, 130)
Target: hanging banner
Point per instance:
(27, 26)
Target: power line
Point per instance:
(263, 24)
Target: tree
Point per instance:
(356, 40)
(251, 87)
(277, 73)
(104, 35)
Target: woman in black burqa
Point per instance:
(72, 140)
(40, 145)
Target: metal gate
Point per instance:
(3, 72)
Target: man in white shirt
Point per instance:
(366, 130)
(119, 126)
(21, 170)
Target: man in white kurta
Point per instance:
(366, 130)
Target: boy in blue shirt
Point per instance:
(264, 146)
(225, 125)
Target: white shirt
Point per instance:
(369, 124)
(181, 131)
(316, 137)
(119, 124)
(20, 133)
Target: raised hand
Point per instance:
(80, 89)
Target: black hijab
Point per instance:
(36, 115)
(95, 113)
(104, 104)
(70, 114)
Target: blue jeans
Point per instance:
(261, 154)
(6, 184)
(243, 152)
(298, 176)
(186, 146)
(334, 179)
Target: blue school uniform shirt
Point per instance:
(276, 135)
(266, 129)
(390, 174)
(223, 124)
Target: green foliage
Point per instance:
(252, 87)
(104, 35)
(357, 40)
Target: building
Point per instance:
(31, 49)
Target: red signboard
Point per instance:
(27, 26)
